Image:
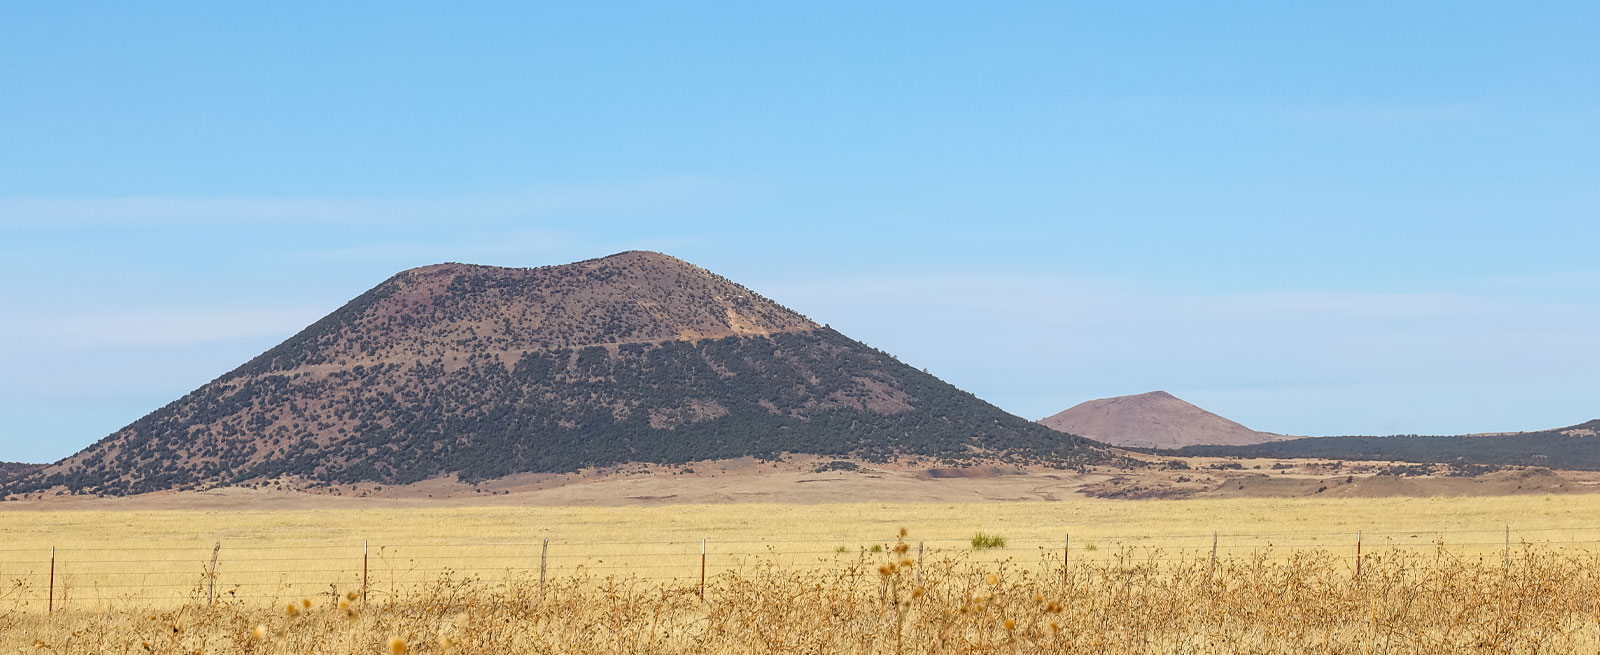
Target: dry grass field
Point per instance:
(1435, 576)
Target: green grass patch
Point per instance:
(985, 541)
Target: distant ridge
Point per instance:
(482, 372)
(14, 469)
(1152, 420)
(1572, 447)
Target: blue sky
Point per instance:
(1357, 218)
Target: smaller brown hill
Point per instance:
(1153, 420)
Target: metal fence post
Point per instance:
(1066, 557)
(1358, 553)
(50, 607)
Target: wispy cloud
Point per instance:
(1036, 344)
(517, 246)
(1383, 115)
(663, 193)
(1096, 299)
(152, 327)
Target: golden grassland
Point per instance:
(1090, 518)
(1436, 577)
(1311, 602)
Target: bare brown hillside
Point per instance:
(1152, 420)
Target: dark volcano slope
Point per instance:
(484, 372)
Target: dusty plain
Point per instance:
(276, 540)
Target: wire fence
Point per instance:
(101, 576)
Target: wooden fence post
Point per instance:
(544, 554)
(211, 576)
(919, 563)
(1213, 551)
(702, 568)
(363, 570)
(50, 607)
(1508, 548)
